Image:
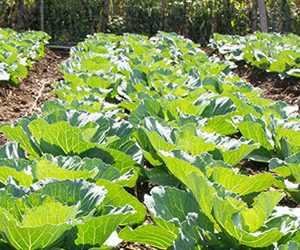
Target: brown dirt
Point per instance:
(28, 97)
(287, 90)
(253, 167)
(134, 246)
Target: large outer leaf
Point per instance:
(17, 134)
(40, 227)
(168, 207)
(61, 137)
(219, 106)
(290, 166)
(178, 167)
(180, 106)
(256, 129)
(224, 210)
(193, 144)
(118, 197)
(75, 163)
(277, 66)
(96, 230)
(152, 235)
(231, 215)
(263, 205)
(211, 125)
(146, 108)
(52, 213)
(45, 169)
(172, 209)
(291, 135)
(204, 194)
(23, 179)
(148, 149)
(231, 151)
(170, 204)
(12, 150)
(242, 184)
(71, 192)
(160, 127)
(122, 162)
(234, 156)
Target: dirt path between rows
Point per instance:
(276, 89)
(28, 97)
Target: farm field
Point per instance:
(150, 123)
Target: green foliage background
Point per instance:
(72, 20)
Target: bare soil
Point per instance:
(28, 97)
(276, 89)
(134, 246)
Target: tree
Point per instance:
(261, 6)
(162, 15)
(20, 14)
(263, 15)
(105, 16)
(254, 16)
(286, 17)
(42, 15)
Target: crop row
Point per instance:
(18, 51)
(132, 110)
(267, 51)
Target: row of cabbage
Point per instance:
(272, 52)
(18, 52)
(132, 110)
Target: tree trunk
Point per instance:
(185, 31)
(20, 15)
(254, 16)
(162, 15)
(42, 15)
(263, 15)
(105, 15)
(286, 17)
